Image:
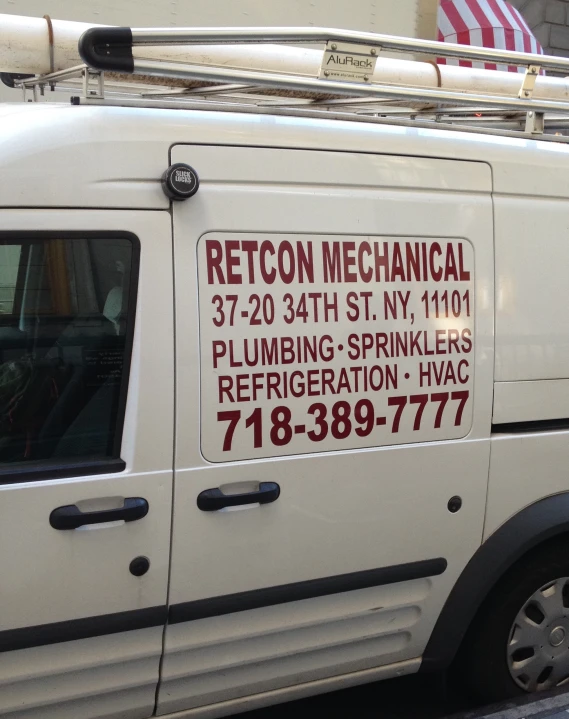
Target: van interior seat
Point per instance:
(78, 422)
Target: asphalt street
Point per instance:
(416, 697)
(411, 697)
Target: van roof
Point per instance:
(57, 155)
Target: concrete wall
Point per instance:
(411, 18)
(395, 17)
(549, 21)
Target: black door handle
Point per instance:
(211, 500)
(71, 517)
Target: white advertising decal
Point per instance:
(313, 343)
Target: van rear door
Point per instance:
(334, 382)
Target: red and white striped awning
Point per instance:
(486, 23)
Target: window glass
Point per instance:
(65, 314)
(9, 263)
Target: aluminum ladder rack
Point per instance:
(351, 80)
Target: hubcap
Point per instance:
(538, 647)
(557, 636)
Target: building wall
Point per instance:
(549, 21)
(394, 17)
(411, 18)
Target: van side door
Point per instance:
(334, 384)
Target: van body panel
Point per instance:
(532, 292)
(76, 623)
(251, 553)
(76, 150)
(530, 401)
(343, 574)
(524, 468)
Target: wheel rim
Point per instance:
(538, 644)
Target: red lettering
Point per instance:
(250, 246)
(426, 350)
(314, 296)
(463, 274)
(305, 262)
(268, 276)
(257, 384)
(463, 379)
(397, 270)
(343, 382)
(214, 256)
(440, 341)
(356, 372)
(242, 388)
(450, 264)
(312, 376)
(381, 261)
(331, 306)
(219, 349)
(439, 374)
(327, 379)
(466, 341)
(392, 376)
(381, 340)
(424, 375)
(367, 343)
(332, 266)
(231, 261)
(352, 302)
(287, 350)
(225, 385)
(415, 346)
(269, 351)
(354, 351)
(273, 382)
(366, 275)
(449, 375)
(299, 389)
(413, 262)
(251, 361)
(349, 261)
(232, 361)
(453, 336)
(401, 345)
(424, 254)
(287, 276)
(326, 353)
(378, 384)
(435, 249)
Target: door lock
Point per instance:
(139, 566)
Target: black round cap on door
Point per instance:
(139, 566)
(180, 181)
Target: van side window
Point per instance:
(66, 322)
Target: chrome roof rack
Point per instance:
(345, 87)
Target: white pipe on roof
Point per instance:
(24, 48)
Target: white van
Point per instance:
(302, 427)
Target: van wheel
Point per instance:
(519, 642)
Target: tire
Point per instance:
(519, 640)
